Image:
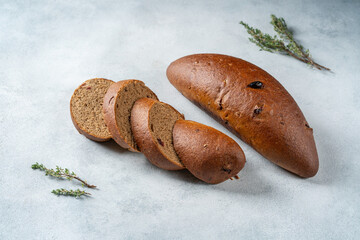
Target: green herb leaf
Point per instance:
(74, 193)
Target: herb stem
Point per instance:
(80, 180)
(308, 60)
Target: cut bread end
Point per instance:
(118, 102)
(152, 125)
(86, 109)
(207, 153)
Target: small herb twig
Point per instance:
(74, 193)
(60, 173)
(284, 45)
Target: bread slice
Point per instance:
(86, 109)
(118, 102)
(152, 123)
(207, 153)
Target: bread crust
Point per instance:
(265, 116)
(76, 124)
(140, 120)
(207, 153)
(109, 110)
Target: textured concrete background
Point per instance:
(48, 48)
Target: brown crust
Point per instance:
(207, 153)
(267, 118)
(76, 124)
(109, 108)
(140, 115)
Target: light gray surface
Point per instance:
(48, 48)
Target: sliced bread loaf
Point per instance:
(207, 153)
(118, 102)
(86, 109)
(152, 124)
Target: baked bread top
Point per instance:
(252, 104)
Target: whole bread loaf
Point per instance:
(252, 104)
(207, 153)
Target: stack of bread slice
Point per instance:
(131, 114)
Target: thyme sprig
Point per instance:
(284, 45)
(60, 173)
(74, 193)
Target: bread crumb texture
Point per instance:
(86, 107)
(162, 121)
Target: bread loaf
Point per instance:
(152, 124)
(118, 102)
(207, 153)
(252, 104)
(86, 109)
